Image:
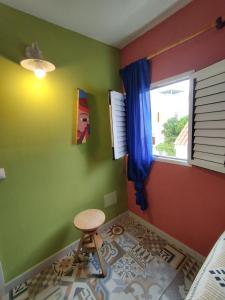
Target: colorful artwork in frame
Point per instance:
(82, 131)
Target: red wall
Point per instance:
(186, 202)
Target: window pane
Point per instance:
(169, 107)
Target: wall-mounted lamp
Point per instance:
(34, 62)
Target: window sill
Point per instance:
(174, 161)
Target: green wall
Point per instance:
(49, 179)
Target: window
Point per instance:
(182, 129)
(170, 114)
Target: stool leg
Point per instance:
(79, 248)
(102, 265)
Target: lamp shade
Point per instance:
(34, 62)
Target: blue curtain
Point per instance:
(136, 80)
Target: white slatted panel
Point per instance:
(210, 99)
(210, 108)
(210, 81)
(210, 133)
(117, 110)
(210, 149)
(210, 125)
(210, 157)
(213, 116)
(210, 71)
(208, 139)
(208, 165)
(215, 89)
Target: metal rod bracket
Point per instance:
(220, 23)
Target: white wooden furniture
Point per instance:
(209, 283)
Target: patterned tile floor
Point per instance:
(140, 265)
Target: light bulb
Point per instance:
(39, 73)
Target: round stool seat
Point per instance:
(89, 220)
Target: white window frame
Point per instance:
(168, 81)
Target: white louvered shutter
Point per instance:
(117, 109)
(208, 132)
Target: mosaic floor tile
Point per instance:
(43, 280)
(173, 256)
(107, 287)
(51, 293)
(126, 241)
(76, 290)
(152, 283)
(127, 268)
(63, 266)
(191, 268)
(85, 269)
(137, 230)
(115, 230)
(134, 267)
(176, 290)
(21, 290)
(111, 252)
(141, 255)
(152, 242)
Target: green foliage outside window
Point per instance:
(171, 130)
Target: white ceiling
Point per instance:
(113, 22)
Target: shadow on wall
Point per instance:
(12, 48)
(98, 148)
(60, 54)
(54, 243)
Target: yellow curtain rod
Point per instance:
(219, 24)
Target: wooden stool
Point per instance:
(88, 222)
